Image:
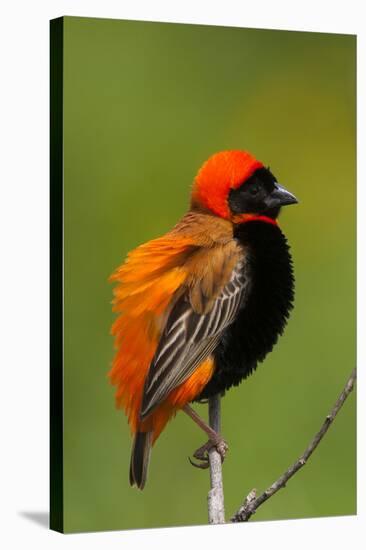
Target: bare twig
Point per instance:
(252, 502)
(215, 498)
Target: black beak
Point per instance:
(280, 197)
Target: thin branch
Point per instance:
(215, 498)
(251, 503)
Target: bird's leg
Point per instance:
(215, 440)
(201, 423)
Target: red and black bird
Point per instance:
(200, 307)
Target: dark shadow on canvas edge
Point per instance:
(40, 518)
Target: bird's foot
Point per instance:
(202, 454)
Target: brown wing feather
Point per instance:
(197, 320)
(210, 271)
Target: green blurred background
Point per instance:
(145, 105)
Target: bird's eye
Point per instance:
(253, 190)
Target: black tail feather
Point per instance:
(140, 458)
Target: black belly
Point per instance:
(264, 314)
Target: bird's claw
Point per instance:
(202, 465)
(202, 454)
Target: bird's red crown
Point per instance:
(220, 173)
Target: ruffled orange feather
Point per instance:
(147, 284)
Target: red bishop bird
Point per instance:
(201, 306)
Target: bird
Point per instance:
(199, 307)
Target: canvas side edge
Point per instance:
(56, 275)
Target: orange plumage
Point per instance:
(220, 173)
(147, 283)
